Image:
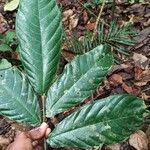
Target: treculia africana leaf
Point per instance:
(79, 79)
(38, 27)
(17, 98)
(105, 121)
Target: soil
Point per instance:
(131, 76)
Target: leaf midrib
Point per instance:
(41, 48)
(82, 76)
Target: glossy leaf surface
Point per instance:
(78, 81)
(106, 121)
(17, 99)
(39, 32)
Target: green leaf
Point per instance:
(106, 121)
(5, 48)
(39, 33)
(102, 1)
(12, 5)
(4, 64)
(78, 81)
(17, 99)
(10, 36)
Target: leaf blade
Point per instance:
(39, 32)
(106, 121)
(80, 78)
(11, 5)
(17, 98)
(5, 48)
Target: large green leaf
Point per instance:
(39, 32)
(80, 78)
(17, 98)
(106, 121)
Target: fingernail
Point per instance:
(48, 131)
(43, 125)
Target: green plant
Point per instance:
(105, 121)
(8, 41)
(115, 36)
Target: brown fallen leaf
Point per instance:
(142, 77)
(90, 26)
(141, 61)
(66, 14)
(115, 147)
(116, 79)
(140, 83)
(73, 21)
(127, 88)
(68, 56)
(139, 140)
(145, 97)
(142, 35)
(148, 134)
(138, 72)
(4, 141)
(85, 16)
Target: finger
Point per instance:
(48, 131)
(35, 143)
(21, 136)
(38, 148)
(38, 133)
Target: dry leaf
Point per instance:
(4, 141)
(73, 21)
(68, 56)
(141, 60)
(90, 26)
(127, 88)
(116, 79)
(66, 14)
(115, 147)
(139, 140)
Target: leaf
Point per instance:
(17, 98)
(106, 121)
(102, 1)
(4, 64)
(5, 48)
(12, 5)
(78, 81)
(10, 36)
(39, 32)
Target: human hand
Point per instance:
(29, 140)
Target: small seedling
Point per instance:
(7, 41)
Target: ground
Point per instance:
(131, 75)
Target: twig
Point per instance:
(98, 19)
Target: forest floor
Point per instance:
(131, 75)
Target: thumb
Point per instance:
(38, 133)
